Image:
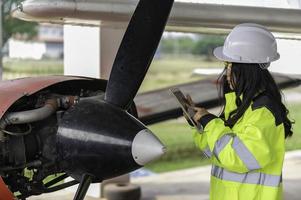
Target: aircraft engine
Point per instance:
(70, 131)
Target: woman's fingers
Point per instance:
(199, 109)
(200, 112)
(197, 116)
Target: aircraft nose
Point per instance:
(146, 147)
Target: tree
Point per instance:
(206, 45)
(10, 26)
(177, 45)
(13, 26)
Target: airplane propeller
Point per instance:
(96, 126)
(136, 51)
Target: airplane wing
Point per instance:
(159, 105)
(185, 16)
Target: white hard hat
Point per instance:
(248, 43)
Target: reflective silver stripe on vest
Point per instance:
(221, 143)
(250, 177)
(241, 150)
(207, 152)
(244, 154)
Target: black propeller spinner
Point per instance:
(102, 129)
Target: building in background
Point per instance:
(49, 43)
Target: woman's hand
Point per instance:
(200, 112)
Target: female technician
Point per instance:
(246, 143)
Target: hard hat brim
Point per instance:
(218, 53)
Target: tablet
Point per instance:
(187, 108)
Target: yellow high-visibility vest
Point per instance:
(247, 159)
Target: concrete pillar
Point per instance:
(110, 40)
(82, 51)
(90, 51)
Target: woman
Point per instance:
(246, 143)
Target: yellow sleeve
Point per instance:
(241, 151)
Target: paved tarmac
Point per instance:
(193, 184)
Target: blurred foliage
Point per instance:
(13, 26)
(199, 45)
(182, 153)
(171, 70)
(294, 142)
(206, 45)
(178, 45)
(18, 68)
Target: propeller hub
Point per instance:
(146, 147)
(104, 141)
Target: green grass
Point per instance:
(177, 136)
(181, 163)
(16, 68)
(182, 153)
(295, 141)
(164, 72)
(173, 70)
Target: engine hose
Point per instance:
(29, 116)
(25, 117)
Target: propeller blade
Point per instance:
(137, 50)
(83, 187)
